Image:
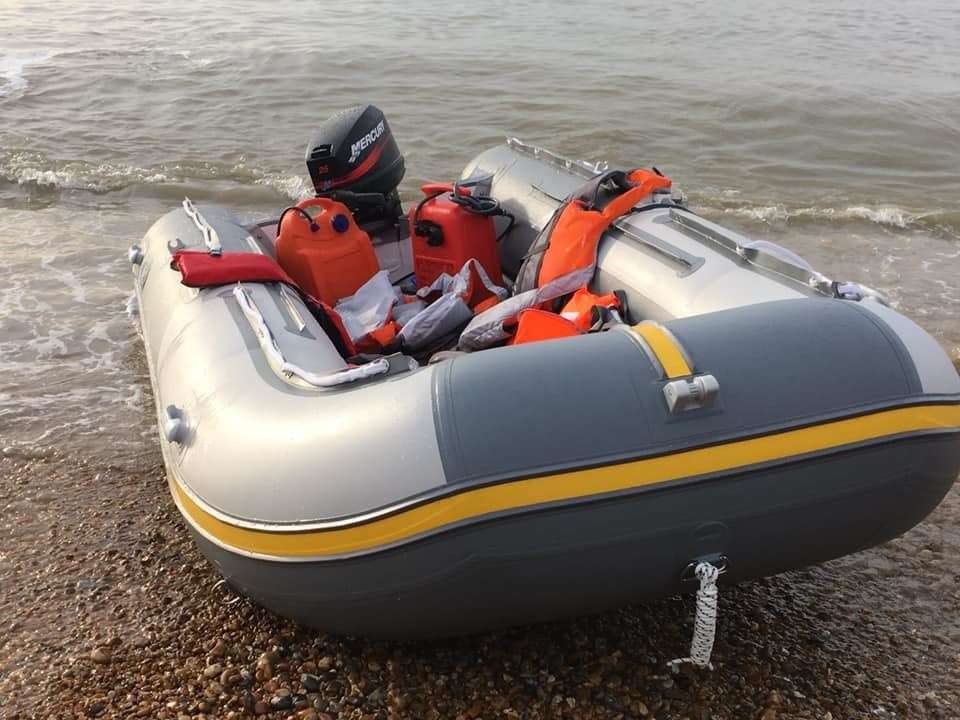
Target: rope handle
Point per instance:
(705, 624)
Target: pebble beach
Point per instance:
(109, 611)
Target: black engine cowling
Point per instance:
(354, 151)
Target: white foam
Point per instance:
(44, 178)
(882, 215)
(887, 215)
(293, 186)
(132, 308)
(98, 336)
(51, 345)
(200, 62)
(30, 168)
(13, 79)
(78, 290)
(767, 213)
(25, 170)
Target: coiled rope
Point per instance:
(705, 625)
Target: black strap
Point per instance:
(589, 194)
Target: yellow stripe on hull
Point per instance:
(666, 349)
(292, 544)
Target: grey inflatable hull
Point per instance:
(568, 561)
(546, 480)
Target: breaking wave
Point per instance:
(886, 215)
(294, 187)
(35, 171)
(30, 170)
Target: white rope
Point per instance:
(210, 237)
(705, 625)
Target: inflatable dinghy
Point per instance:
(741, 409)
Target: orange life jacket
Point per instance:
(581, 307)
(533, 325)
(563, 258)
(567, 247)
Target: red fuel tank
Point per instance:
(321, 247)
(445, 235)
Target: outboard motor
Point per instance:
(354, 159)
